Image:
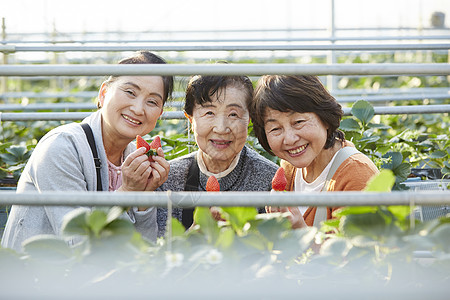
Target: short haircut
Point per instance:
(303, 94)
(200, 89)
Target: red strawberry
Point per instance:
(140, 142)
(156, 143)
(212, 185)
(150, 148)
(279, 181)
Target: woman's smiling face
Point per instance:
(296, 137)
(131, 105)
(220, 127)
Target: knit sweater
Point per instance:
(253, 172)
(63, 161)
(352, 175)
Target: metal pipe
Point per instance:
(179, 104)
(70, 116)
(235, 40)
(410, 109)
(241, 199)
(391, 98)
(203, 31)
(261, 47)
(413, 93)
(226, 69)
(86, 94)
(76, 116)
(65, 106)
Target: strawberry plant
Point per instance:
(371, 247)
(13, 159)
(373, 140)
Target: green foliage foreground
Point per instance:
(365, 251)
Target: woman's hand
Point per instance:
(295, 216)
(139, 174)
(216, 213)
(160, 171)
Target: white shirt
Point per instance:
(300, 185)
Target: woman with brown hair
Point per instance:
(64, 159)
(296, 119)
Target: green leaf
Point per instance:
(17, 151)
(239, 216)
(75, 222)
(203, 218)
(114, 213)
(396, 159)
(120, 227)
(378, 126)
(178, 229)
(400, 212)
(438, 154)
(363, 111)
(441, 236)
(47, 247)
(97, 220)
(402, 172)
(370, 225)
(445, 170)
(272, 226)
(369, 139)
(255, 241)
(383, 182)
(349, 125)
(354, 210)
(330, 225)
(226, 238)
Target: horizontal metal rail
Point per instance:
(227, 69)
(70, 116)
(233, 31)
(225, 47)
(231, 40)
(241, 199)
(391, 91)
(391, 98)
(74, 116)
(178, 104)
(410, 92)
(66, 106)
(86, 94)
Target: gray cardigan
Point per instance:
(63, 161)
(252, 173)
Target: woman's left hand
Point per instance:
(295, 216)
(160, 171)
(139, 174)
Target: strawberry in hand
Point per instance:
(212, 185)
(279, 181)
(150, 148)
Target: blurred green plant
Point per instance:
(371, 246)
